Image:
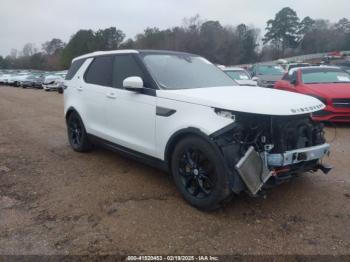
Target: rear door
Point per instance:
(93, 88)
(131, 115)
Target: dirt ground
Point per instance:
(56, 201)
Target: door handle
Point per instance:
(111, 95)
(80, 88)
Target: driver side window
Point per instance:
(293, 78)
(286, 77)
(124, 67)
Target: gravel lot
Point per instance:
(56, 201)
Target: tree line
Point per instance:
(286, 35)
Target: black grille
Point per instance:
(321, 113)
(341, 102)
(341, 118)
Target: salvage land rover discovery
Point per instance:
(179, 112)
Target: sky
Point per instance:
(37, 21)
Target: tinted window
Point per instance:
(100, 71)
(294, 76)
(124, 67)
(74, 68)
(286, 77)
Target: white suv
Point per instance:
(179, 112)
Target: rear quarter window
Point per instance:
(74, 68)
(100, 71)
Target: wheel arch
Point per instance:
(179, 135)
(70, 110)
(236, 183)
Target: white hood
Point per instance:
(249, 99)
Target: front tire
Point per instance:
(77, 135)
(199, 174)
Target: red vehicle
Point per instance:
(329, 84)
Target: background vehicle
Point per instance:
(294, 65)
(17, 78)
(345, 65)
(4, 78)
(54, 81)
(266, 75)
(241, 76)
(214, 138)
(32, 80)
(331, 85)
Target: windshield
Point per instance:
(269, 70)
(325, 76)
(182, 71)
(237, 74)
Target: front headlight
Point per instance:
(225, 113)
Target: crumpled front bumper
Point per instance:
(255, 168)
(297, 156)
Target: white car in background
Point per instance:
(4, 78)
(54, 81)
(16, 78)
(241, 76)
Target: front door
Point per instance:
(130, 116)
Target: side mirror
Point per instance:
(133, 83)
(255, 79)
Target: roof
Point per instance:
(100, 53)
(311, 67)
(128, 51)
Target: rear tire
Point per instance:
(77, 136)
(199, 174)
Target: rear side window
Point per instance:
(100, 71)
(125, 66)
(286, 77)
(74, 68)
(294, 76)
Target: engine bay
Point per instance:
(264, 149)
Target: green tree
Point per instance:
(211, 38)
(343, 25)
(50, 47)
(282, 31)
(109, 38)
(2, 63)
(37, 61)
(305, 25)
(248, 43)
(86, 41)
(80, 43)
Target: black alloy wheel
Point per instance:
(77, 136)
(198, 174)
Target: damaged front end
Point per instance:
(268, 150)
